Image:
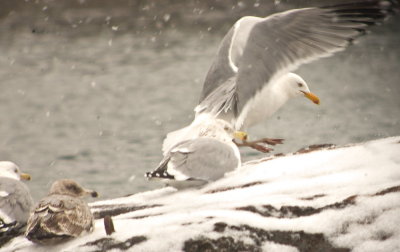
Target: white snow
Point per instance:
(354, 176)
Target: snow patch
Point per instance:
(346, 197)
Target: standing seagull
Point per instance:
(61, 215)
(250, 77)
(200, 160)
(15, 201)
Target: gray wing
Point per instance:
(258, 50)
(202, 159)
(15, 200)
(58, 217)
(221, 69)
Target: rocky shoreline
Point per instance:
(327, 199)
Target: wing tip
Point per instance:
(363, 14)
(158, 174)
(375, 9)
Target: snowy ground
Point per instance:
(329, 199)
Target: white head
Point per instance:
(10, 170)
(295, 86)
(217, 128)
(209, 126)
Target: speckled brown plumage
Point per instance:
(61, 215)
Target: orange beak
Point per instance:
(311, 96)
(25, 176)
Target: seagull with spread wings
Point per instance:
(251, 78)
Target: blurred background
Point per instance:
(89, 88)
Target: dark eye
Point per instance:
(299, 84)
(226, 128)
(73, 188)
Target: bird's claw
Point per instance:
(259, 145)
(271, 141)
(261, 148)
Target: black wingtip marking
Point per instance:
(382, 4)
(374, 9)
(162, 174)
(368, 13)
(7, 225)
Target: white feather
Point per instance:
(4, 194)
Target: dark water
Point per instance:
(96, 108)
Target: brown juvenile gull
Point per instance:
(200, 160)
(250, 78)
(15, 201)
(61, 215)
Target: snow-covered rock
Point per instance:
(323, 198)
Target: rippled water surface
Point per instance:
(96, 108)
